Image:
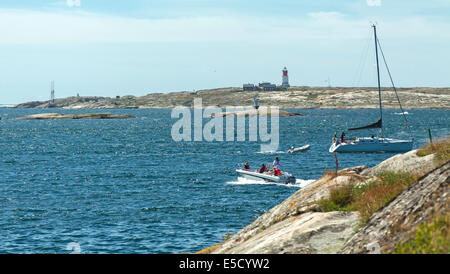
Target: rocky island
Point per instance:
(294, 97)
(59, 116)
(259, 112)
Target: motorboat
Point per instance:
(299, 149)
(284, 178)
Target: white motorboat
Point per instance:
(284, 178)
(374, 144)
(299, 149)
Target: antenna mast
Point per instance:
(52, 92)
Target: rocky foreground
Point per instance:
(298, 226)
(295, 97)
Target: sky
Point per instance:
(136, 47)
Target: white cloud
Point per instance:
(41, 27)
(76, 26)
(373, 3)
(73, 3)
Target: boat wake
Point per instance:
(299, 183)
(271, 152)
(303, 183)
(400, 113)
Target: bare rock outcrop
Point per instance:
(312, 232)
(408, 162)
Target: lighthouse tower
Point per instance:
(285, 79)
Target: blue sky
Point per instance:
(109, 48)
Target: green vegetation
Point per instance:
(367, 198)
(341, 199)
(431, 238)
(440, 148)
(227, 236)
(374, 195)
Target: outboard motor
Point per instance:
(291, 180)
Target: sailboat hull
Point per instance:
(373, 145)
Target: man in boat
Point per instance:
(276, 167)
(343, 137)
(276, 163)
(263, 168)
(247, 166)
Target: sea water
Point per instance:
(124, 186)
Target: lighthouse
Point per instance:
(285, 79)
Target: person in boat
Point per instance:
(276, 171)
(246, 166)
(343, 137)
(334, 139)
(263, 168)
(276, 163)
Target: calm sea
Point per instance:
(124, 186)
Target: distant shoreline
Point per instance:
(59, 116)
(293, 98)
(289, 108)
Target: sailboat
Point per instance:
(374, 143)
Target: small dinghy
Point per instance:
(284, 178)
(299, 149)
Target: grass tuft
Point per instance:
(369, 198)
(430, 238)
(441, 149)
(341, 197)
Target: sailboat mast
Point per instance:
(378, 75)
